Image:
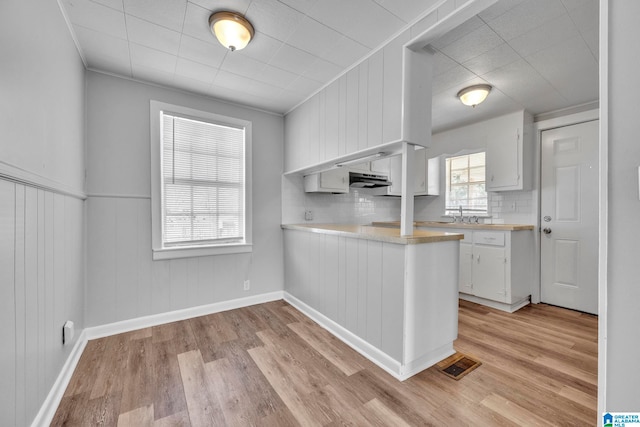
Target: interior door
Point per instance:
(569, 223)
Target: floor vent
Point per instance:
(457, 365)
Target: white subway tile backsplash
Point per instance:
(354, 207)
(514, 207)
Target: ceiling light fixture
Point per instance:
(474, 95)
(231, 29)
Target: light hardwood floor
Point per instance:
(269, 365)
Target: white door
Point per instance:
(569, 217)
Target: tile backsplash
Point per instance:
(358, 207)
(353, 207)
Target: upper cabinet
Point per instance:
(509, 152)
(383, 100)
(425, 172)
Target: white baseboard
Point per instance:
(509, 308)
(384, 361)
(52, 401)
(174, 316)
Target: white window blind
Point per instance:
(465, 182)
(203, 182)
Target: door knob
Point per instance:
(546, 230)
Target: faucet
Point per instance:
(460, 210)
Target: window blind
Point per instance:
(203, 182)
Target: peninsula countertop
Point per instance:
(388, 234)
(458, 225)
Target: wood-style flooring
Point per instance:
(269, 365)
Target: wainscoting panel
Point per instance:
(41, 279)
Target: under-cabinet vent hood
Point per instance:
(368, 180)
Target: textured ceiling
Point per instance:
(299, 44)
(540, 55)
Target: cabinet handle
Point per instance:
(478, 259)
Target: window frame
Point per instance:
(447, 185)
(160, 251)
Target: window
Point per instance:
(466, 184)
(200, 176)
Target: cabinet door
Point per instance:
(420, 172)
(489, 272)
(465, 283)
(504, 156)
(336, 179)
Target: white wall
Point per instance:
(514, 207)
(122, 280)
(41, 232)
(623, 313)
(41, 95)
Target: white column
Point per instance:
(406, 204)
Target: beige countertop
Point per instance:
(438, 224)
(388, 234)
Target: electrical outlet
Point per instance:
(308, 215)
(247, 285)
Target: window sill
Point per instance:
(198, 251)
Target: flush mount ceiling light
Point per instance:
(231, 29)
(474, 95)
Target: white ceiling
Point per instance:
(540, 55)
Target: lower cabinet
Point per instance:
(496, 267)
(489, 279)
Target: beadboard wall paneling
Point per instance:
(41, 272)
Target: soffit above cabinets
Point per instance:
(539, 55)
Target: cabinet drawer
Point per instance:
(488, 238)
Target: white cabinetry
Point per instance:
(509, 152)
(495, 267)
(331, 181)
(425, 171)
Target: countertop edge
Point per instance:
(436, 224)
(382, 235)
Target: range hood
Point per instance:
(368, 180)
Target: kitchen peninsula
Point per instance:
(393, 298)
(495, 261)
